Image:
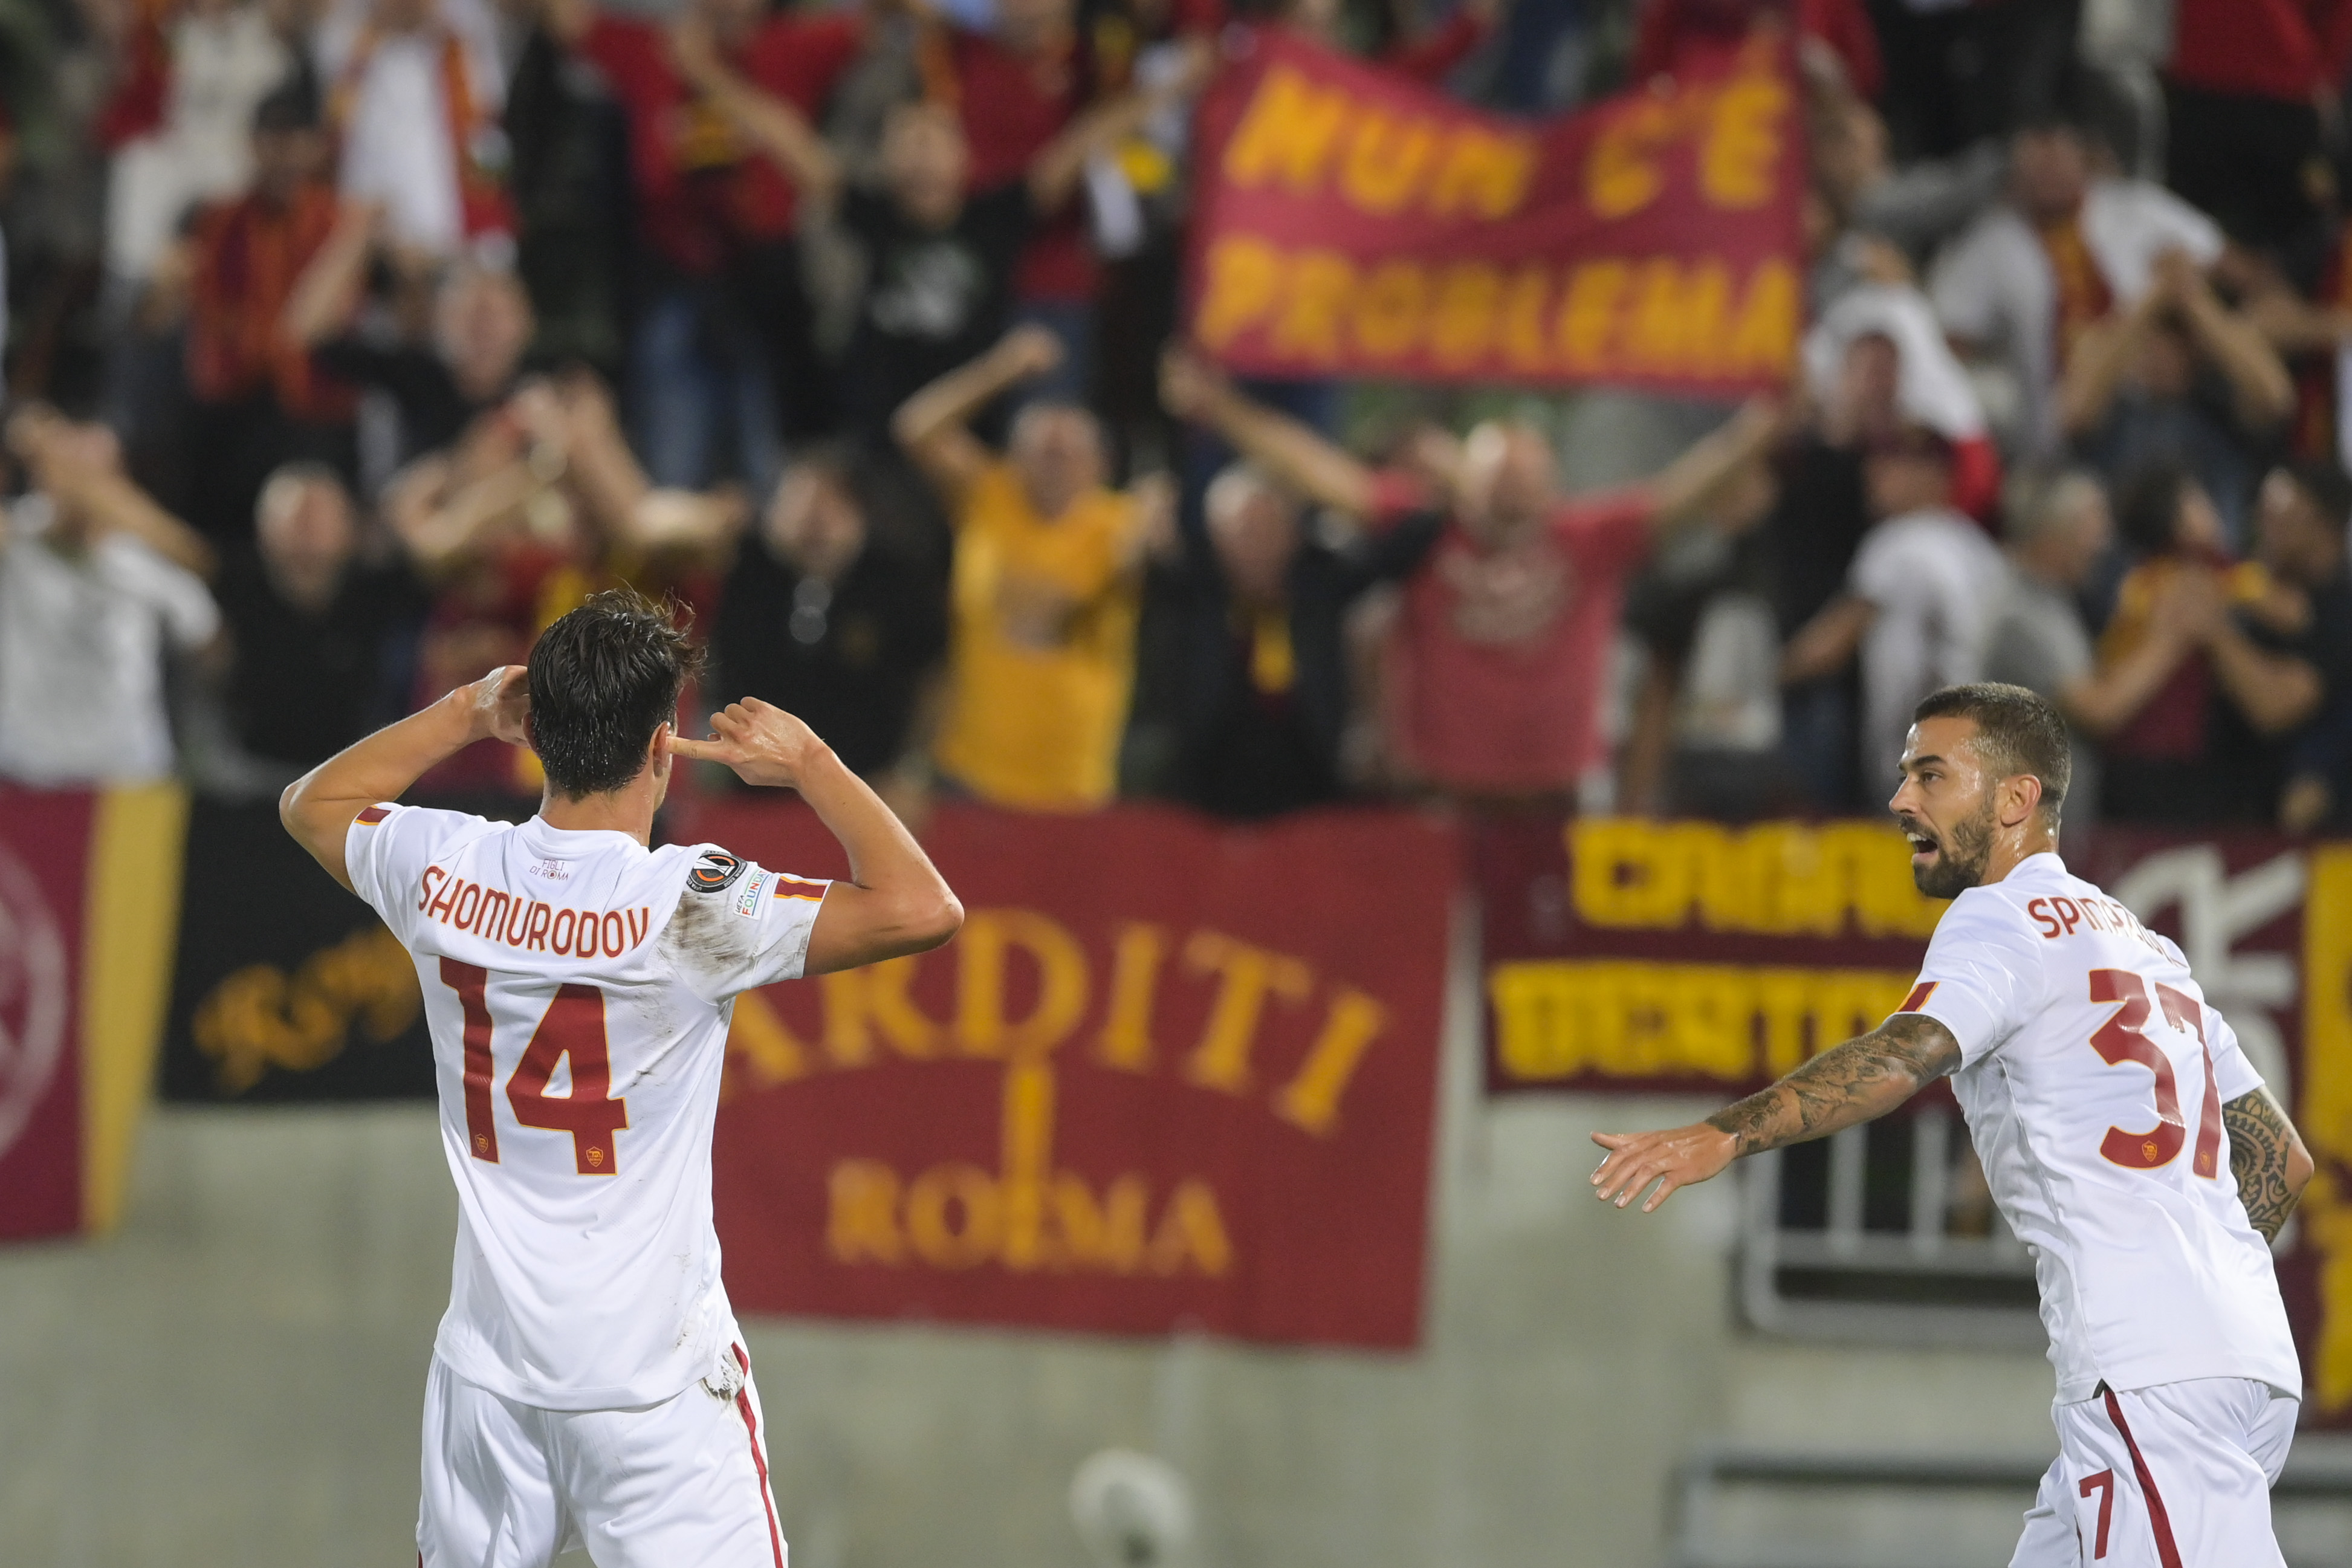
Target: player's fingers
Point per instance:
(1613, 1140)
(702, 751)
(1638, 1175)
(1666, 1184)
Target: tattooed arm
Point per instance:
(1862, 1079)
(2268, 1159)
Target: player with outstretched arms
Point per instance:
(2129, 1144)
(588, 1383)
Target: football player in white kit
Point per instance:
(2127, 1141)
(588, 1383)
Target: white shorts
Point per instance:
(2176, 1476)
(511, 1485)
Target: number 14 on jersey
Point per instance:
(573, 1026)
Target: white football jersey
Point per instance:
(579, 989)
(2093, 1076)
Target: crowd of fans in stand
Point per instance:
(353, 340)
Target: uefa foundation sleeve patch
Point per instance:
(713, 871)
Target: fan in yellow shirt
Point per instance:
(1041, 658)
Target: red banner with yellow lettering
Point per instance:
(1171, 1075)
(1355, 223)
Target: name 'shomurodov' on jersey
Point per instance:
(579, 988)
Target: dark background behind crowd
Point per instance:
(351, 342)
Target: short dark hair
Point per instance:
(2018, 731)
(604, 678)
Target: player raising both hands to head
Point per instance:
(2127, 1141)
(588, 1383)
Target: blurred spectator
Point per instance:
(722, 355)
(2059, 530)
(939, 261)
(1017, 86)
(311, 626)
(97, 585)
(2023, 283)
(480, 326)
(2208, 746)
(821, 620)
(1706, 737)
(1262, 602)
(413, 91)
(1918, 603)
(1044, 599)
(939, 265)
(2252, 90)
(2178, 375)
(179, 120)
(1879, 359)
(2302, 519)
(257, 398)
(1505, 636)
(1872, 366)
(569, 182)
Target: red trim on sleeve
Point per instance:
(372, 816)
(1918, 997)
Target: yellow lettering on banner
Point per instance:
(1320, 284)
(1244, 279)
(984, 950)
(1387, 159)
(1191, 1232)
(860, 1003)
(1311, 1100)
(862, 1215)
(1289, 134)
(1526, 350)
(1738, 161)
(1462, 327)
(1027, 1138)
(1776, 878)
(959, 1217)
(1678, 318)
(1784, 999)
(1621, 173)
(1482, 173)
(1765, 341)
(767, 1047)
(1630, 1018)
(1389, 309)
(954, 1216)
(1251, 974)
(1108, 1236)
(2325, 1112)
(1587, 316)
(1125, 1044)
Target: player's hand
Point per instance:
(1678, 1157)
(497, 706)
(763, 745)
